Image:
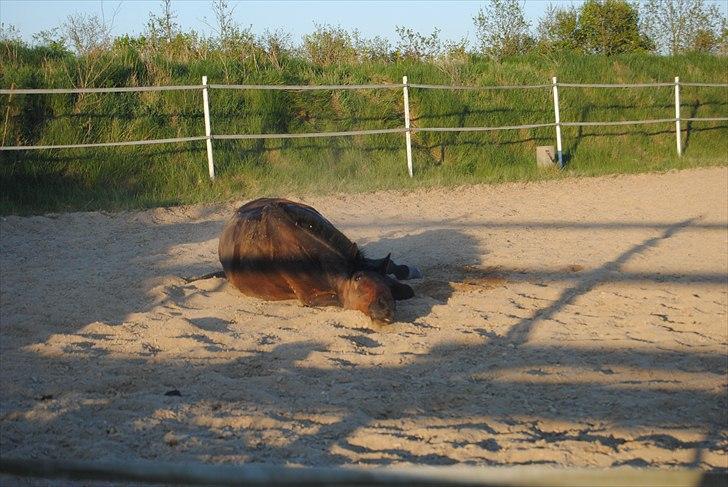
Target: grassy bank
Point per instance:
(133, 177)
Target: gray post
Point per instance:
(208, 132)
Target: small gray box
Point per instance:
(546, 156)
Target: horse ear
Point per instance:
(384, 264)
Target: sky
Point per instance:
(296, 17)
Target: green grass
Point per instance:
(138, 177)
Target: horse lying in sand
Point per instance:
(277, 249)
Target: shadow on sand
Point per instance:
(453, 385)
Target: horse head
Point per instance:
(370, 293)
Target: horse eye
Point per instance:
(357, 277)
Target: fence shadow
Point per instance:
(690, 130)
(246, 407)
(131, 274)
(241, 403)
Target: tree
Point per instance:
(706, 41)
(722, 48)
(230, 34)
(10, 44)
(611, 27)
(87, 34)
(9, 33)
(502, 29)
(89, 37)
(414, 45)
(682, 25)
(374, 49)
(596, 27)
(165, 25)
(559, 29)
(277, 46)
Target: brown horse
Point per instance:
(277, 249)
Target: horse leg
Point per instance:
(399, 291)
(310, 296)
(403, 272)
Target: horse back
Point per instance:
(277, 249)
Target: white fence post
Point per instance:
(407, 134)
(208, 140)
(558, 121)
(677, 116)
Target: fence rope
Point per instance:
(104, 144)
(481, 129)
(308, 134)
(706, 119)
(715, 85)
(618, 85)
(354, 132)
(47, 91)
(621, 122)
(473, 87)
(307, 87)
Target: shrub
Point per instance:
(502, 29)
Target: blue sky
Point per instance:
(372, 18)
(297, 17)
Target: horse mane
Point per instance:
(311, 221)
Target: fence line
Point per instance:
(612, 85)
(475, 87)
(355, 132)
(51, 91)
(481, 129)
(712, 85)
(384, 86)
(407, 129)
(619, 122)
(309, 134)
(706, 119)
(104, 144)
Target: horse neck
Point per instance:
(340, 278)
(341, 283)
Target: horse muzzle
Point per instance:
(381, 313)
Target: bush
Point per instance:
(328, 45)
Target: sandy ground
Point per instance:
(571, 323)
